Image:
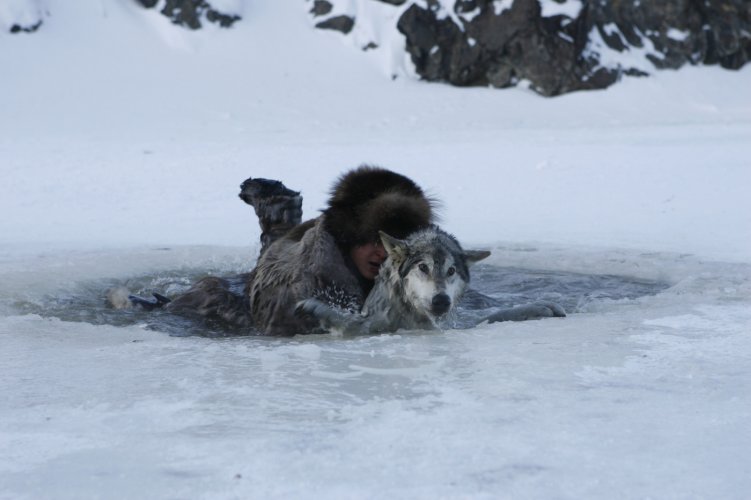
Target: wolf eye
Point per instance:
(424, 268)
(451, 270)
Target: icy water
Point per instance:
(641, 392)
(503, 287)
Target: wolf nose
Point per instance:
(440, 303)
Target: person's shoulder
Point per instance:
(309, 245)
(297, 232)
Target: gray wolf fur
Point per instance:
(417, 288)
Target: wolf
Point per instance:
(417, 288)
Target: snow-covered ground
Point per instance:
(123, 141)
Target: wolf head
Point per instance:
(430, 269)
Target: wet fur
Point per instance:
(426, 265)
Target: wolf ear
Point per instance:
(396, 248)
(473, 256)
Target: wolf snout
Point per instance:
(440, 304)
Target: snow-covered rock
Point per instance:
(21, 16)
(557, 46)
(195, 13)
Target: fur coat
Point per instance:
(298, 266)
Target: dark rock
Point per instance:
(500, 50)
(24, 17)
(321, 8)
(17, 28)
(558, 54)
(190, 13)
(393, 2)
(338, 23)
(223, 20)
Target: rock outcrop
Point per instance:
(553, 46)
(559, 46)
(192, 13)
(26, 16)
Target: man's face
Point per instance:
(368, 258)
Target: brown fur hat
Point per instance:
(371, 199)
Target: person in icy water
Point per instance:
(334, 257)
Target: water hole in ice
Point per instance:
(85, 301)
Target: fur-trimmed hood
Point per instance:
(371, 199)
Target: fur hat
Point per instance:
(371, 199)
